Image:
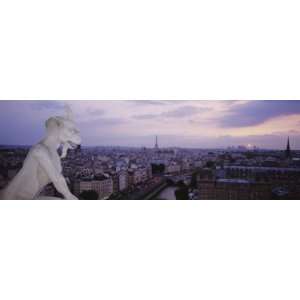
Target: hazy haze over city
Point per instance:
(202, 124)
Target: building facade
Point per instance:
(103, 187)
(246, 183)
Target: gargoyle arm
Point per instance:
(57, 179)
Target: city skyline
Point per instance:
(185, 124)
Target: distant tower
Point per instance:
(288, 149)
(78, 149)
(156, 143)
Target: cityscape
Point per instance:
(161, 170)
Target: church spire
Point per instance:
(288, 149)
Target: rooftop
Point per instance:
(235, 180)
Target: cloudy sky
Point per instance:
(204, 124)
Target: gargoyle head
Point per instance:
(64, 129)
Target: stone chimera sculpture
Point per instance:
(43, 164)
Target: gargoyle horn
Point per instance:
(68, 113)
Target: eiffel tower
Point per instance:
(156, 143)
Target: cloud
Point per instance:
(157, 102)
(291, 132)
(148, 102)
(47, 105)
(180, 112)
(18, 105)
(95, 112)
(116, 122)
(101, 122)
(256, 112)
(145, 116)
(184, 111)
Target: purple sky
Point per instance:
(204, 124)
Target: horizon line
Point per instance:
(166, 147)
